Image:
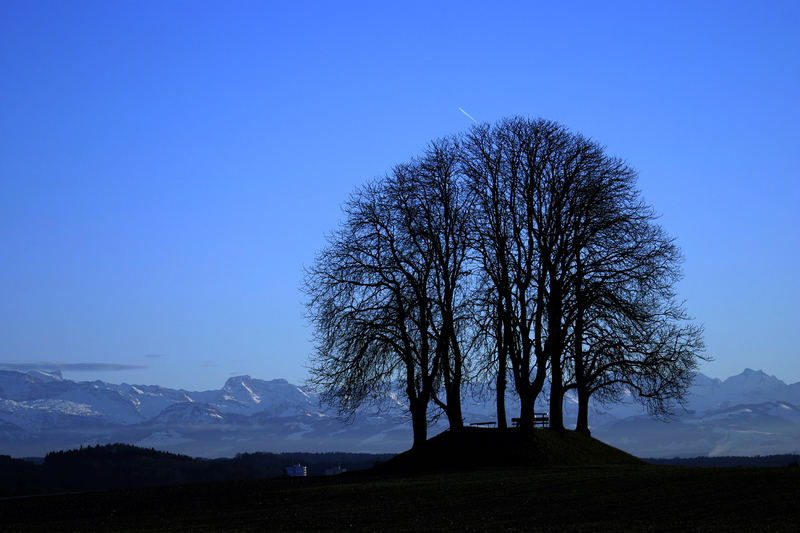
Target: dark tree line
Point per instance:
(519, 249)
(119, 466)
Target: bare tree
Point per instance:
(520, 246)
(629, 334)
(388, 296)
(503, 164)
(569, 249)
(368, 302)
(484, 160)
(444, 208)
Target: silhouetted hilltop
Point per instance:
(18, 476)
(481, 447)
(124, 466)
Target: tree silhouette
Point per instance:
(626, 331)
(442, 209)
(577, 275)
(386, 295)
(518, 246)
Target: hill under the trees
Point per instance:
(491, 447)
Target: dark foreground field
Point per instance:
(631, 497)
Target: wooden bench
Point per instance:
(484, 424)
(539, 419)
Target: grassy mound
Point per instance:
(480, 447)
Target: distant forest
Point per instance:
(792, 460)
(121, 466)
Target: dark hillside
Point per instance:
(570, 498)
(481, 447)
(18, 476)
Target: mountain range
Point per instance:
(752, 413)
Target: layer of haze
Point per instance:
(168, 168)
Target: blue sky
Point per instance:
(167, 168)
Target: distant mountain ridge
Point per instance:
(751, 386)
(752, 413)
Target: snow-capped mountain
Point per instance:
(752, 413)
(189, 413)
(751, 386)
(748, 414)
(278, 397)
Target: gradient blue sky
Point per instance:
(167, 168)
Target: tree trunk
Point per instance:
(417, 405)
(501, 397)
(454, 415)
(583, 411)
(582, 424)
(556, 396)
(555, 348)
(419, 424)
(502, 366)
(527, 401)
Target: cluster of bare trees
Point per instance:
(520, 250)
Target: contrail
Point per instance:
(468, 115)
